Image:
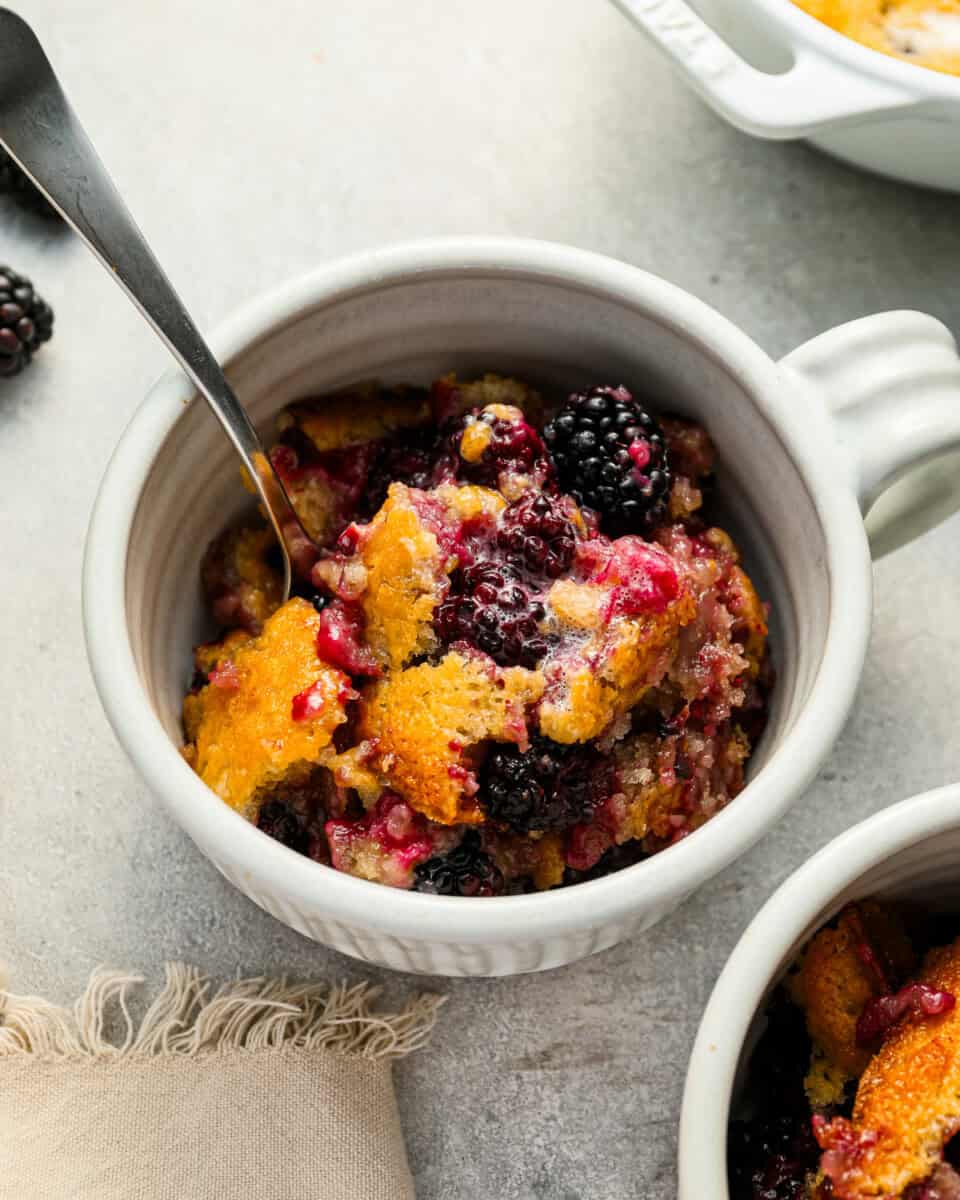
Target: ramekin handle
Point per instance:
(892, 383)
(813, 94)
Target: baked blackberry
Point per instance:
(548, 787)
(489, 608)
(611, 456)
(282, 823)
(419, 457)
(21, 189)
(466, 870)
(772, 1151)
(536, 536)
(511, 444)
(772, 1158)
(26, 322)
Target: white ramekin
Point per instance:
(774, 71)
(910, 851)
(795, 463)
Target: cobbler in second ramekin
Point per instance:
(853, 1091)
(523, 659)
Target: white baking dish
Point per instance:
(775, 72)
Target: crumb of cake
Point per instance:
(750, 617)
(206, 658)
(649, 794)
(316, 503)
(724, 644)
(355, 770)
(469, 502)
(241, 580)
(684, 499)
(475, 441)
(550, 863)
(672, 785)
(364, 414)
(245, 738)
(690, 447)
(425, 723)
(577, 605)
(452, 397)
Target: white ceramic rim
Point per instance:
(750, 969)
(807, 30)
(664, 878)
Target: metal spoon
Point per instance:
(40, 131)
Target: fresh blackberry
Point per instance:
(466, 870)
(488, 607)
(282, 823)
(535, 535)
(20, 188)
(611, 456)
(26, 322)
(548, 787)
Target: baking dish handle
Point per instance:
(814, 94)
(892, 385)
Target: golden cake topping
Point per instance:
(244, 734)
(405, 579)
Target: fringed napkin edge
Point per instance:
(187, 1019)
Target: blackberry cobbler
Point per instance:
(524, 657)
(853, 1092)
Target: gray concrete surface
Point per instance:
(255, 142)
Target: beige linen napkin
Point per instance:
(262, 1091)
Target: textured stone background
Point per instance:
(253, 143)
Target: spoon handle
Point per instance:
(39, 128)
